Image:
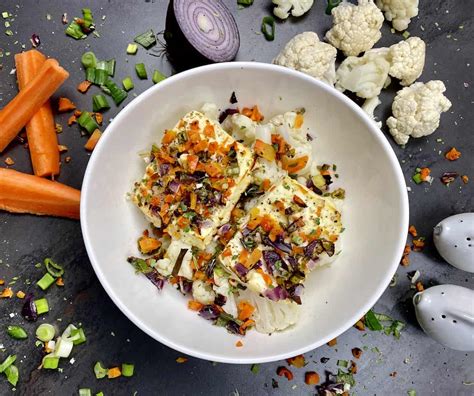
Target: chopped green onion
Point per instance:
(85, 392)
(417, 178)
(101, 65)
(90, 74)
(127, 84)
(141, 71)
(332, 4)
(5, 14)
(255, 368)
(7, 363)
(88, 19)
(54, 269)
(158, 76)
(51, 362)
(74, 30)
(12, 374)
(100, 371)
(372, 322)
(245, 3)
(9, 32)
(101, 76)
(342, 363)
(45, 332)
(118, 94)
(127, 369)
(147, 39)
(110, 67)
(46, 281)
(88, 59)
(77, 336)
(268, 21)
(411, 392)
(99, 103)
(406, 34)
(132, 49)
(87, 122)
(41, 306)
(99, 394)
(17, 332)
(63, 347)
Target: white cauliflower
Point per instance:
(356, 28)
(399, 12)
(369, 107)
(417, 110)
(166, 264)
(297, 7)
(306, 53)
(365, 76)
(203, 293)
(407, 60)
(244, 129)
(210, 111)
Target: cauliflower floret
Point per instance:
(369, 107)
(203, 293)
(366, 76)
(417, 110)
(306, 53)
(399, 12)
(210, 111)
(256, 282)
(355, 28)
(240, 127)
(297, 7)
(407, 60)
(165, 265)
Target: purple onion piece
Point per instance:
(271, 257)
(35, 40)
(241, 270)
(210, 267)
(246, 231)
(276, 294)
(278, 244)
(156, 279)
(312, 264)
(293, 262)
(29, 309)
(204, 224)
(185, 285)
(174, 186)
(220, 300)
(233, 98)
(209, 312)
(233, 327)
(295, 293)
(224, 229)
(225, 113)
(164, 169)
(258, 264)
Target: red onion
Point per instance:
(295, 293)
(226, 113)
(224, 229)
(241, 270)
(29, 309)
(174, 186)
(271, 258)
(199, 32)
(156, 279)
(164, 169)
(209, 312)
(276, 294)
(220, 300)
(278, 244)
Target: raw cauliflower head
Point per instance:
(417, 110)
(365, 76)
(297, 7)
(355, 28)
(407, 60)
(306, 53)
(399, 12)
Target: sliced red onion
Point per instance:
(295, 293)
(258, 264)
(246, 231)
(174, 186)
(200, 32)
(311, 264)
(156, 279)
(271, 257)
(314, 249)
(220, 300)
(241, 270)
(185, 285)
(278, 244)
(35, 40)
(209, 312)
(293, 262)
(210, 267)
(233, 327)
(225, 113)
(224, 229)
(202, 224)
(276, 294)
(29, 309)
(164, 169)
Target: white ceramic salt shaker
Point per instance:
(446, 313)
(454, 239)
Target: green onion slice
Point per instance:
(7, 363)
(46, 281)
(268, 22)
(141, 71)
(245, 3)
(87, 122)
(54, 269)
(17, 332)
(128, 83)
(90, 74)
(127, 369)
(12, 374)
(100, 371)
(158, 76)
(99, 103)
(45, 332)
(88, 59)
(50, 362)
(41, 306)
(147, 39)
(74, 30)
(118, 94)
(132, 49)
(85, 392)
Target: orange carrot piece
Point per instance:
(99, 118)
(22, 193)
(93, 140)
(71, 120)
(245, 310)
(41, 129)
(16, 114)
(293, 165)
(65, 105)
(264, 150)
(84, 86)
(311, 378)
(6, 293)
(194, 305)
(114, 372)
(299, 119)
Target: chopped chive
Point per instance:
(41, 305)
(100, 371)
(110, 67)
(77, 336)
(46, 281)
(101, 76)
(89, 59)
(132, 49)
(101, 65)
(99, 103)
(343, 363)
(17, 332)
(158, 76)
(141, 71)
(99, 393)
(406, 34)
(74, 30)
(146, 39)
(332, 4)
(118, 94)
(90, 74)
(8, 32)
(127, 84)
(7, 363)
(372, 322)
(51, 362)
(417, 178)
(12, 374)
(45, 332)
(87, 122)
(268, 22)
(54, 269)
(5, 14)
(245, 3)
(127, 369)
(85, 392)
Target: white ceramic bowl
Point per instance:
(375, 212)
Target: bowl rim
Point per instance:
(371, 126)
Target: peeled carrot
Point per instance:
(40, 130)
(16, 114)
(22, 193)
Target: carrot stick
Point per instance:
(40, 130)
(22, 193)
(16, 114)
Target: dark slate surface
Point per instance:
(420, 363)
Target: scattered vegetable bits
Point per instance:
(284, 372)
(453, 154)
(311, 378)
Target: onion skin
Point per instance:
(189, 46)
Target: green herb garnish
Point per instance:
(332, 4)
(268, 22)
(17, 332)
(372, 322)
(147, 39)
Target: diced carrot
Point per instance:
(93, 140)
(182, 222)
(212, 148)
(254, 222)
(311, 378)
(280, 206)
(40, 129)
(84, 86)
(209, 130)
(299, 119)
(99, 118)
(297, 361)
(284, 372)
(332, 342)
(181, 360)
(299, 201)
(237, 214)
(264, 150)
(267, 223)
(194, 305)
(202, 145)
(465, 179)
(412, 231)
(168, 137)
(418, 244)
(6, 293)
(253, 113)
(60, 282)
(20, 294)
(280, 142)
(165, 157)
(266, 184)
(239, 344)
(147, 245)
(65, 105)
(192, 162)
(267, 278)
(424, 173)
(227, 252)
(114, 372)
(2, 282)
(453, 154)
(77, 113)
(71, 120)
(293, 165)
(245, 310)
(213, 169)
(243, 256)
(254, 257)
(247, 323)
(194, 126)
(22, 193)
(169, 198)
